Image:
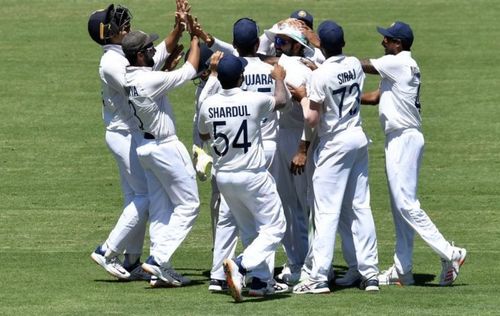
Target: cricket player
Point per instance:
(232, 120)
(257, 78)
(108, 27)
(340, 180)
(306, 26)
(290, 45)
(398, 97)
(173, 192)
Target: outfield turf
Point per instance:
(59, 189)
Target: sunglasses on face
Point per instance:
(148, 49)
(278, 41)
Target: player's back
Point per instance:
(233, 118)
(116, 113)
(339, 82)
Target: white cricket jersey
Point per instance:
(338, 84)
(399, 105)
(116, 112)
(233, 118)
(297, 74)
(258, 78)
(148, 100)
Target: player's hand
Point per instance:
(298, 165)
(309, 63)
(174, 58)
(214, 62)
(278, 72)
(298, 93)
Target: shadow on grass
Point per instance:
(421, 279)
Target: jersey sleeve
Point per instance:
(212, 86)
(316, 88)
(266, 46)
(160, 56)
(202, 118)
(224, 47)
(267, 104)
(387, 67)
(113, 73)
(161, 82)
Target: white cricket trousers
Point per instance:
(293, 193)
(128, 233)
(226, 231)
(254, 202)
(340, 184)
(403, 156)
(173, 194)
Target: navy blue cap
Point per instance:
(303, 15)
(245, 33)
(398, 30)
(331, 35)
(230, 68)
(98, 24)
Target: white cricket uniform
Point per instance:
(171, 178)
(224, 230)
(257, 78)
(340, 180)
(293, 188)
(233, 119)
(122, 139)
(399, 112)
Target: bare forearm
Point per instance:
(194, 55)
(173, 38)
(368, 67)
(279, 94)
(371, 98)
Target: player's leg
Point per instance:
(128, 233)
(329, 183)
(174, 169)
(226, 238)
(363, 226)
(292, 190)
(263, 216)
(405, 152)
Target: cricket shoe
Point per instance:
(217, 285)
(350, 278)
(155, 282)
(311, 287)
(202, 162)
(165, 273)
(112, 265)
(392, 277)
(235, 274)
(450, 268)
(260, 288)
(137, 273)
(290, 275)
(370, 284)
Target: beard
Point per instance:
(150, 62)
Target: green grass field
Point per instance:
(59, 189)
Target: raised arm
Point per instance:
(278, 73)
